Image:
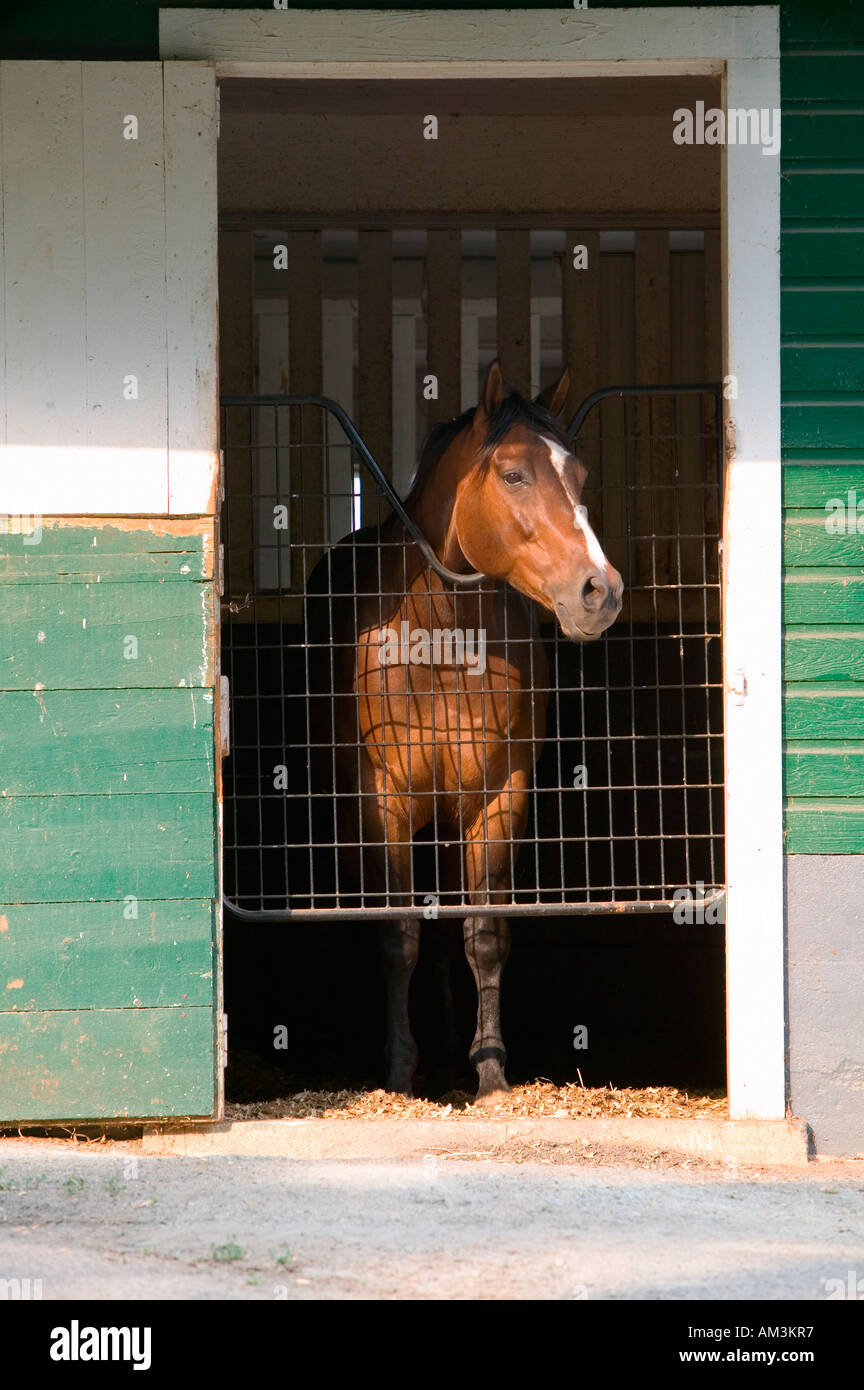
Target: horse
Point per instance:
(416, 729)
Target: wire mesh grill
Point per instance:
(625, 809)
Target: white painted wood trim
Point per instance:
(752, 555)
(419, 38)
(77, 480)
(191, 287)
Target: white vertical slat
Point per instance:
(338, 379)
(125, 255)
(752, 556)
(44, 265)
(404, 401)
(191, 284)
(470, 359)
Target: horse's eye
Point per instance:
(512, 479)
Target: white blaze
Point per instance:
(559, 458)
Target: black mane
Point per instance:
(513, 410)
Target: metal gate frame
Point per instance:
(714, 900)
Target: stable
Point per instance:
(145, 279)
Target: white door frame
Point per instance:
(742, 45)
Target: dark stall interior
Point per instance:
(357, 257)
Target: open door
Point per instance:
(109, 926)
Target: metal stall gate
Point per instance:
(627, 803)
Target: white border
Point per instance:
(743, 43)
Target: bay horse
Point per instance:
(410, 740)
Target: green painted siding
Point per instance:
(108, 872)
(822, 84)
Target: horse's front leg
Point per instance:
(387, 859)
(491, 847)
(400, 945)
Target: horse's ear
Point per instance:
(554, 398)
(494, 391)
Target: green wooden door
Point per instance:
(109, 923)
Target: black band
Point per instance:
(488, 1054)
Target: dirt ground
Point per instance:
(96, 1220)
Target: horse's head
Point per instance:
(518, 511)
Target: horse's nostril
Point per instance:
(594, 591)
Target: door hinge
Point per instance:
(730, 438)
(738, 686)
(218, 110)
(224, 1041)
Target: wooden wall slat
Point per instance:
(694, 559)
(833, 654)
(654, 455)
(85, 628)
(825, 769)
(161, 958)
(71, 848)
(807, 540)
(375, 349)
(405, 401)
(45, 269)
(824, 825)
(109, 742)
(305, 356)
(513, 294)
(713, 307)
(443, 321)
(824, 596)
(581, 318)
(616, 366)
(125, 255)
(581, 313)
(130, 1062)
(338, 383)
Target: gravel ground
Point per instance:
(99, 1222)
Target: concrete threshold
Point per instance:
(767, 1142)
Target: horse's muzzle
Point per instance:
(590, 607)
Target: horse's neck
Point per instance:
(431, 501)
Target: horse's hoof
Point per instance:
(492, 1083)
(398, 1086)
(489, 1099)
